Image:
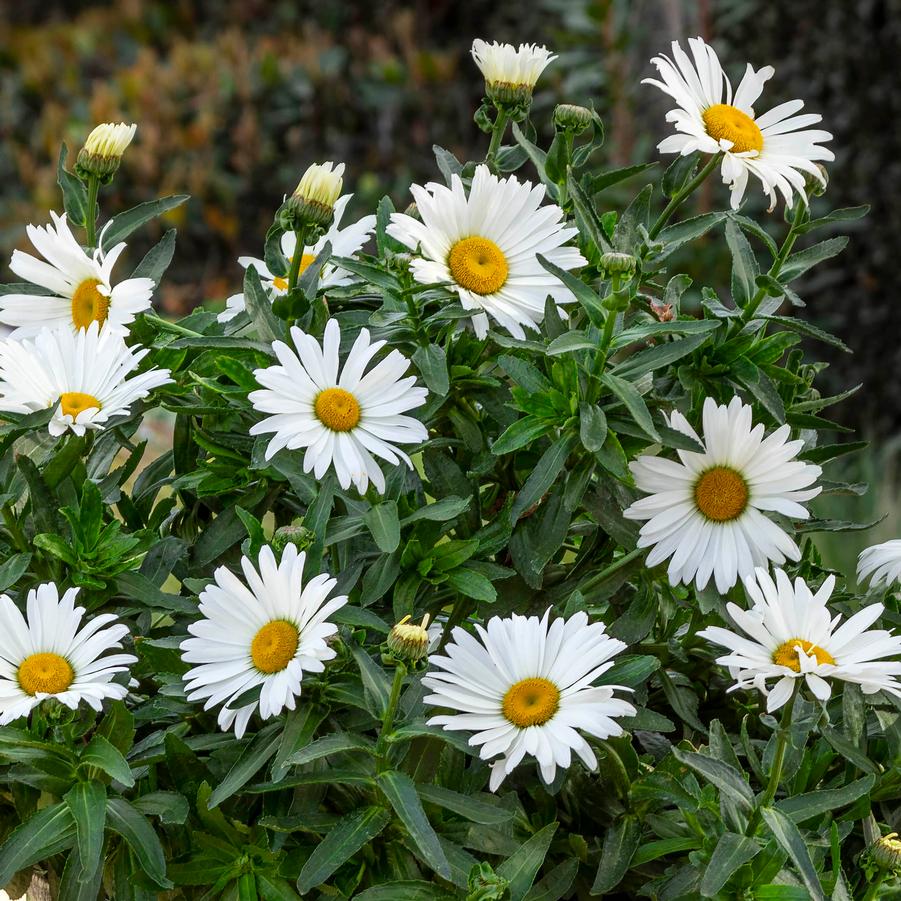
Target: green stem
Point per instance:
(497, 135)
(873, 890)
(614, 567)
(681, 196)
(390, 712)
(772, 786)
(778, 263)
(171, 326)
(90, 219)
(297, 259)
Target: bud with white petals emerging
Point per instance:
(103, 150)
(313, 202)
(511, 73)
(408, 641)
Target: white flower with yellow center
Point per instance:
(345, 420)
(486, 246)
(346, 242)
(267, 632)
(706, 514)
(790, 634)
(508, 69)
(776, 147)
(49, 654)
(881, 564)
(525, 687)
(82, 375)
(79, 286)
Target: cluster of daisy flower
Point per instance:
(523, 686)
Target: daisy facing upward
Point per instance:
(778, 147)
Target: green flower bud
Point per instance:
(300, 536)
(622, 264)
(569, 117)
(103, 150)
(886, 851)
(815, 185)
(409, 641)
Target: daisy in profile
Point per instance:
(485, 247)
(777, 148)
(511, 73)
(48, 653)
(524, 686)
(791, 634)
(266, 631)
(344, 421)
(881, 564)
(705, 514)
(78, 285)
(83, 376)
(346, 242)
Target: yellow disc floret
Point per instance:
(45, 673)
(274, 646)
(305, 260)
(74, 402)
(729, 122)
(478, 265)
(721, 494)
(787, 654)
(88, 304)
(337, 409)
(531, 702)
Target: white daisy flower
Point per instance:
(792, 635)
(83, 374)
(777, 147)
(343, 420)
(707, 512)
(524, 687)
(79, 286)
(49, 654)
(485, 247)
(346, 242)
(267, 632)
(508, 68)
(880, 563)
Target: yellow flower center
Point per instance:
(45, 673)
(721, 494)
(88, 304)
(729, 122)
(274, 646)
(337, 409)
(787, 655)
(478, 265)
(531, 702)
(305, 260)
(74, 402)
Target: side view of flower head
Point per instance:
(49, 653)
(86, 376)
(266, 631)
(79, 286)
(485, 245)
(344, 421)
(705, 514)
(778, 147)
(880, 564)
(510, 70)
(524, 686)
(345, 242)
(790, 634)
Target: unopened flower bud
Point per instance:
(614, 263)
(816, 185)
(313, 201)
(511, 73)
(103, 149)
(569, 117)
(408, 640)
(300, 536)
(886, 851)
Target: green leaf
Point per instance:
(102, 754)
(744, 265)
(849, 750)
(798, 263)
(156, 261)
(524, 374)
(274, 888)
(400, 791)
(336, 743)
(726, 778)
(123, 224)
(521, 868)
(597, 183)
(12, 569)
(49, 831)
(375, 681)
(405, 890)
(432, 364)
(384, 525)
(87, 802)
(844, 214)
(256, 755)
(75, 192)
(170, 807)
(126, 821)
(583, 293)
(816, 803)
(259, 307)
(520, 434)
(347, 837)
(791, 840)
(472, 584)
(633, 401)
(592, 427)
(556, 884)
(731, 852)
(661, 355)
(569, 342)
(544, 474)
(808, 330)
(440, 511)
(465, 805)
(620, 844)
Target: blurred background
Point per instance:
(234, 98)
